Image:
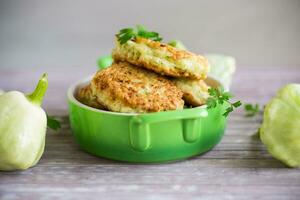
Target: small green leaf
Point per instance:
(127, 34)
(227, 95)
(251, 109)
(248, 107)
(211, 103)
(219, 96)
(237, 104)
(126, 37)
(213, 92)
(126, 30)
(53, 123)
(228, 110)
(220, 100)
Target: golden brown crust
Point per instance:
(136, 88)
(173, 55)
(149, 66)
(84, 95)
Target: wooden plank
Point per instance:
(154, 192)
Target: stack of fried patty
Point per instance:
(148, 76)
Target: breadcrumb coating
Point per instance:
(123, 87)
(161, 58)
(85, 96)
(195, 92)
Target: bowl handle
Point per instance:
(139, 126)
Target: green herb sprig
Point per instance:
(219, 96)
(53, 123)
(251, 109)
(127, 34)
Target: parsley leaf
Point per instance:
(251, 109)
(219, 96)
(127, 34)
(52, 123)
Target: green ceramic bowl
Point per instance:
(153, 137)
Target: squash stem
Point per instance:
(38, 94)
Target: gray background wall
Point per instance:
(57, 33)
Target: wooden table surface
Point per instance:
(238, 168)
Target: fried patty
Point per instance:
(161, 58)
(195, 92)
(126, 88)
(85, 96)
